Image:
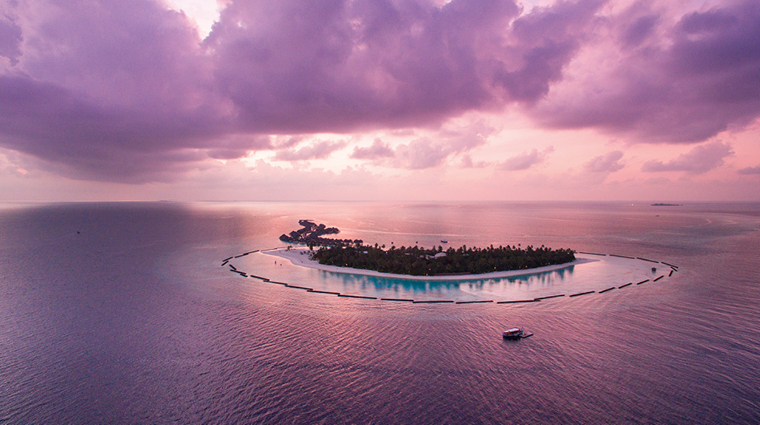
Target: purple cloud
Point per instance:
(701, 159)
(319, 150)
(607, 163)
(85, 84)
(526, 160)
(378, 150)
(750, 170)
(10, 38)
(127, 91)
(678, 82)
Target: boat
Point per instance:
(444, 241)
(512, 333)
(515, 333)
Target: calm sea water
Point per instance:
(121, 313)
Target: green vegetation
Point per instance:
(430, 262)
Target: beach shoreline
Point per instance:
(300, 257)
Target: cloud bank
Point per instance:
(127, 91)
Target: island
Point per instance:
(419, 261)
(311, 234)
(662, 204)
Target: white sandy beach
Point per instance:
(300, 257)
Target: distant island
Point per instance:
(418, 261)
(660, 204)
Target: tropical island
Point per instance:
(418, 261)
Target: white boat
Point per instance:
(515, 333)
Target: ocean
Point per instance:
(123, 313)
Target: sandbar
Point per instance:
(300, 257)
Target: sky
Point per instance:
(388, 100)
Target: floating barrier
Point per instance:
(645, 259)
(433, 302)
(233, 269)
(550, 296)
(474, 302)
(357, 296)
(324, 292)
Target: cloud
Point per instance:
(10, 38)
(86, 84)
(128, 91)
(318, 150)
(526, 160)
(659, 74)
(750, 170)
(468, 163)
(378, 150)
(607, 163)
(701, 159)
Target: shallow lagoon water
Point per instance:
(596, 273)
(133, 320)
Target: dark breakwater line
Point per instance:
(549, 297)
(363, 297)
(258, 277)
(537, 299)
(474, 302)
(517, 301)
(433, 302)
(316, 291)
(645, 259)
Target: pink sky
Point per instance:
(379, 100)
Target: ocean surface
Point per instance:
(123, 313)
